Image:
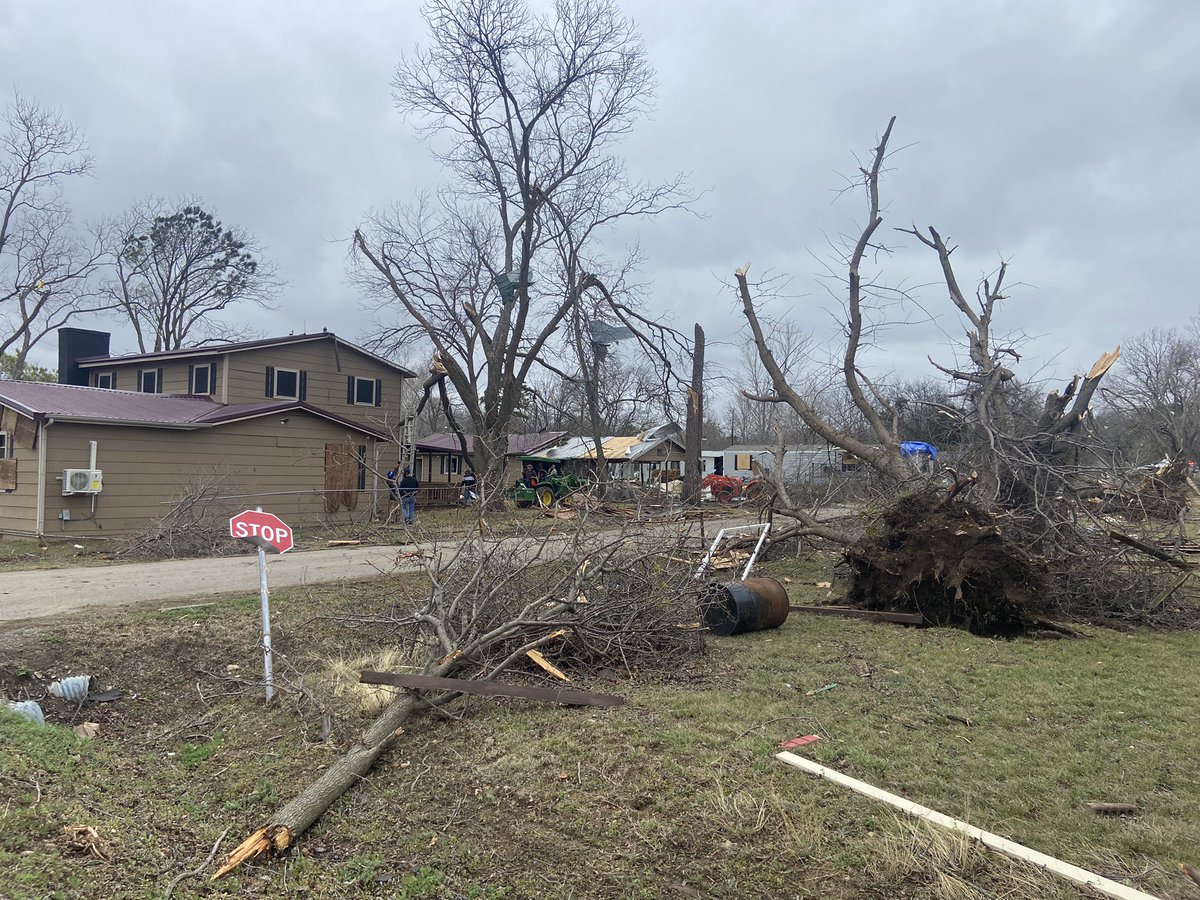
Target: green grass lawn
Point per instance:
(677, 794)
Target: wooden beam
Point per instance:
(1012, 848)
(878, 615)
(491, 689)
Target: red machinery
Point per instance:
(726, 489)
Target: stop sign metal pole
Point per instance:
(268, 675)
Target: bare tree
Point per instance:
(524, 111)
(46, 264)
(177, 269)
(1158, 390)
(882, 453)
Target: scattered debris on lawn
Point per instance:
(76, 688)
(799, 741)
(820, 690)
(87, 730)
(1190, 871)
(1113, 809)
(754, 604)
(85, 839)
(30, 709)
(878, 615)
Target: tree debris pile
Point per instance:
(950, 561)
(582, 600)
(1161, 494)
(197, 525)
(1003, 573)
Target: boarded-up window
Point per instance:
(341, 477)
(25, 433)
(741, 462)
(8, 465)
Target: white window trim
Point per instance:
(207, 370)
(152, 373)
(111, 376)
(371, 382)
(6, 445)
(450, 464)
(279, 396)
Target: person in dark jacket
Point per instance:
(468, 495)
(409, 486)
(392, 478)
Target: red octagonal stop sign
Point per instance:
(262, 529)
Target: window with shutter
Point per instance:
(150, 381)
(363, 391)
(287, 384)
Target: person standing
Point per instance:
(392, 476)
(468, 488)
(408, 496)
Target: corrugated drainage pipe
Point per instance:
(740, 606)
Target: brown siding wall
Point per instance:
(263, 462)
(175, 375)
(326, 383)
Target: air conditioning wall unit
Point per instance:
(82, 481)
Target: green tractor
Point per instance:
(543, 489)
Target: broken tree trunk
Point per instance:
(694, 428)
(298, 816)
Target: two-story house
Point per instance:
(302, 425)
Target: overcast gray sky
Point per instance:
(1063, 135)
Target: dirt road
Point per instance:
(49, 593)
(42, 593)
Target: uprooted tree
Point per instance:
(581, 599)
(1016, 534)
(524, 111)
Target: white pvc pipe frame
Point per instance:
(1012, 848)
(766, 528)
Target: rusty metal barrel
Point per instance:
(740, 606)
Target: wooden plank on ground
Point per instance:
(878, 615)
(492, 689)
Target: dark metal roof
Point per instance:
(37, 398)
(236, 411)
(101, 406)
(213, 349)
(518, 444)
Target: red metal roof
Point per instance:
(518, 444)
(101, 406)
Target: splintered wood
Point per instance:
(732, 559)
(547, 665)
(269, 838)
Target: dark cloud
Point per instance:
(1059, 135)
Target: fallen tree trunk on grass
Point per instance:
(299, 815)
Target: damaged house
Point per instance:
(302, 425)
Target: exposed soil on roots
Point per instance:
(951, 562)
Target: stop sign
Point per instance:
(262, 529)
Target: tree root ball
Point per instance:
(950, 561)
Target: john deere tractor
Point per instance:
(543, 489)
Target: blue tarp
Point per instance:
(912, 448)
